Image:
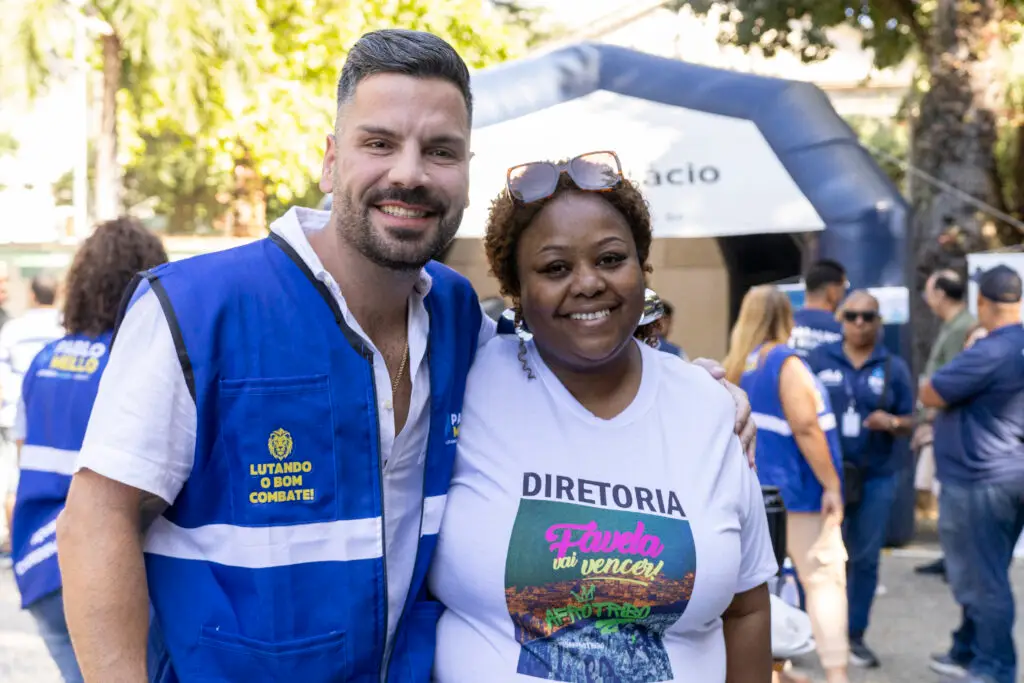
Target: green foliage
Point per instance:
(277, 121)
(889, 27)
(8, 144)
(212, 87)
(888, 142)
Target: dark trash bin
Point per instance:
(776, 510)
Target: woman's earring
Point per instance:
(516, 317)
(653, 308)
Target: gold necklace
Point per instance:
(401, 369)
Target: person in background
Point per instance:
(815, 323)
(56, 401)
(8, 465)
(797, 451)
(20, 340)
(663, 328)
(979, 458)
(873, 397)
(944, 292)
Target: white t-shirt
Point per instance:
(142, 430)
(21, 339)
(580, 549)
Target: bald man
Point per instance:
(944, 292)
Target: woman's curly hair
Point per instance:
(102, 268)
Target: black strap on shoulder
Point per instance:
(172, 322)
(126, 299)
(175, 327)
(350, 335)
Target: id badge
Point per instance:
(851, 424)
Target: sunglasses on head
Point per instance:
(593, 172)
(866, 316)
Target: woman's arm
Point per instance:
(747, 624)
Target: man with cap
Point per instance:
(979, 458)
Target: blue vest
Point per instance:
(59, 390)
(269, 565)
(779, 461)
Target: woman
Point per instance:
(870, 389)
(57, 396)
(602, 520)
(798, 452)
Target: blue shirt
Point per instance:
(979, 438)
(668, 347)
(814, 327)
(860, 390)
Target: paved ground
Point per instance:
(910, 621)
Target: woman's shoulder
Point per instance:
(496, 363)
(684, 383)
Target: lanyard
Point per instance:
(850, 394)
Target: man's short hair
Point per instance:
(401, 51)
(669, 308)
(823, 273)
(44, 289)
(951, 284)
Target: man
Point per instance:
(979, 457)
(20, 340)
(944, 292)
(276, 408)
(815, 323)
(664, 328)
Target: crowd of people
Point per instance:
(827, 438)
(317, 457)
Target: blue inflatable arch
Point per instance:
(865, 217)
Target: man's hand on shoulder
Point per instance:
(745, 427)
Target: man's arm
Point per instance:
(960, 380)
(106, 601)
(135, 458)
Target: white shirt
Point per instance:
(142, 430)
(20, 340)
(575, 548)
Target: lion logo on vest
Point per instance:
(280, 444)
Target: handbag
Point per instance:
(853, 474)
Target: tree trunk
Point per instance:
(246, 211)
(954, 140)
(107, 203)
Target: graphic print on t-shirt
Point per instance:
(596, 572)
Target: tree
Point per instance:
(174, 52)
(960, 99)
(221, 108)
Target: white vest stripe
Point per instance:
(47, 459)
(268, 546)
(770, 423)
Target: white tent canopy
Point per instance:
(704, 174)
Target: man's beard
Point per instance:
(391, 251)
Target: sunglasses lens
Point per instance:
(531, 182)
(595, 171)
(866, 316)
